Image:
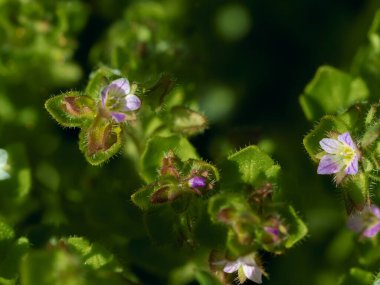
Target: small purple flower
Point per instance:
(197, 182)
(340, 155)
(366, 222)
(246, 265)
(117, 98)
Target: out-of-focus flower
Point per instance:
(4, 165)
(197, 182)
(116, 97)
(246, 267)
(366, 222)
(340, 155)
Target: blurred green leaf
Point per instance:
(186, 121)
(297, 228)
(51, 267)
(154, 95)
(9, 263)
(357, 276)
(366, 63)
(330, 92)
(206, 278)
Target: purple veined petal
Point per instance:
(352, 168)
(346, 138)
(329, 164)
(117, 88)
(375, 210)
(118, 117)
(330, 145)
(132, 102)
(355, 223)
(372, 230)
(252, 273)
(122, 84)
(231, 267)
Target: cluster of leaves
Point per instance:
(38, 35)
(177, 210)
(348, 102)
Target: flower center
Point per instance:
(347, 153)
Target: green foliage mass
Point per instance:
(205, 166)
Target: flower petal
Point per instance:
(3, 157)
(375, 210)
(4, 175)
(122, 84)
(372, 230)
(329, 164)
(346, 138)
(231, 267)
(118, 117)
(132, 102)
(252, 273)
(355, 223)
(330, 145)
(117, 88)
(352, 168)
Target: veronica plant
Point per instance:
(345, 143)
(107, 113)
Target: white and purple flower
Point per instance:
(119, 100)
(246, 266)
(4, 167)
(366, 222)
(339, 156)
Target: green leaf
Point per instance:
(297, 229)
(162, 225)
(9, 264)
(71, 109)
(15, 190)
(102, 140)
(141, 197)
(99, 79)
(327, 125)
(366, 61)
(330, 92)
(356, 192)
(157, 148)
(6, 233)
(51, 267)
(206, 278)
(186, 121)
(358, 276)
(93, 255)
(252, 166)
(155, 94)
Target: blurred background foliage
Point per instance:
(245, 62)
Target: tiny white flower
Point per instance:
(247, 265)
(4, 165)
